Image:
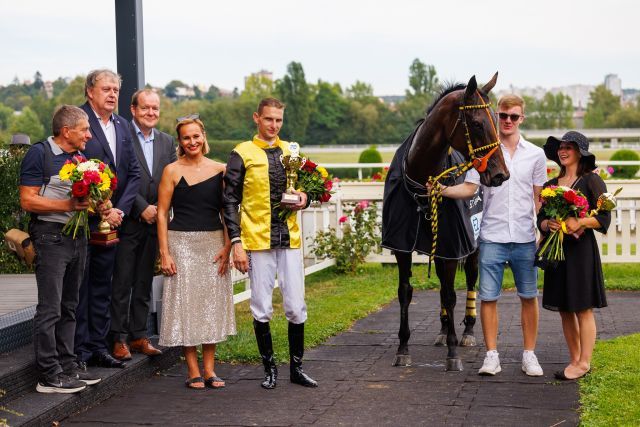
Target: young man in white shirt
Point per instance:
(507, 234)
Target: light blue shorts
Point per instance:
(493, 258)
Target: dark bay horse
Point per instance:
(461, 118)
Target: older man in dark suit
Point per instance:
(138, 245)
(111, 143)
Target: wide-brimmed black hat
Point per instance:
(551, 147)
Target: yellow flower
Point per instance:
(66, 171)
(548, 192)
(322, 171)
(106, 182)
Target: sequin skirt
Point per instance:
(197, 303)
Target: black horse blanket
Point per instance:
(405, 223)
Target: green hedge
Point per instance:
(11, 215)
(370, 155)
(625, 172)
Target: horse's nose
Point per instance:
(498, 179)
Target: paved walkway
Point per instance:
(358, 385)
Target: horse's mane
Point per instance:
(447, 88)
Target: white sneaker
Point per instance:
(530, 365)
(491, 365)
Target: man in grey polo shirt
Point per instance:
(60, 259)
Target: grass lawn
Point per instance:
(609, 395)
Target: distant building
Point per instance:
(579, 94)
(48, 88)
(613, 83)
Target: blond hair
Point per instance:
(511, 100)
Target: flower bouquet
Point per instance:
(313, 180)
(90, 178)
(559, 203)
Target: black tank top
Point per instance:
(197, 207)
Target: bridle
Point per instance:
(478, 163)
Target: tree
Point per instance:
(27, 122)
(212, 94)
(602, 104)
(330, 109)
(171, 89)
(38, 84)
(551, 112)
(256, 87)
(360, 91)
(422, 79)
(73, 93)
(294, 91)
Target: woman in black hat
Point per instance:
(575, 286)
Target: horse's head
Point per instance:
(475, 134)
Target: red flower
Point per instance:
(342, 219)
(328, 184)
(114, 183)
(91, 177)
(376, 176)
(101, 167)
(325, 197)
(79, 189)
(570, 196)
(309, 165)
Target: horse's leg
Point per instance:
(405, 293)
(471, 273)
(446, 270)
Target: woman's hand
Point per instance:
(222, 259)
(167, 265)
(572, 225)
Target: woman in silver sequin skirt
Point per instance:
(197, 302)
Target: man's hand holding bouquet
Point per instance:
(92, 180)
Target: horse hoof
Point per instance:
(468, 341)
(441, 340)
(402, 360)
(454, 365)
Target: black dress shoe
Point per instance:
(105, 360)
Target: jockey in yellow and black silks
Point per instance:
(264, 244)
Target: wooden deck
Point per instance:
(17, 291)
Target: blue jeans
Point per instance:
(520, 256)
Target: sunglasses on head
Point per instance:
(189, 117)
(513, 117)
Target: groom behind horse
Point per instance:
(507, 234)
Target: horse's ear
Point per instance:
(472, 86)
(487, 88)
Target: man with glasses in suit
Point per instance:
(136, 255)
(507, 234)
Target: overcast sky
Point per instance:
(531, 43)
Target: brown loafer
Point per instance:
(121, 351)
(143, 345)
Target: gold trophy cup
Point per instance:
(292, 164)
(105, 236)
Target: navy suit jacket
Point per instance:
(128, 168)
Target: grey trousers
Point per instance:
(59, 266)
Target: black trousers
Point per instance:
(93, 312)
(59, 265)
(132, 278)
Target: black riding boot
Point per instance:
(263, 336)
(296, 351)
